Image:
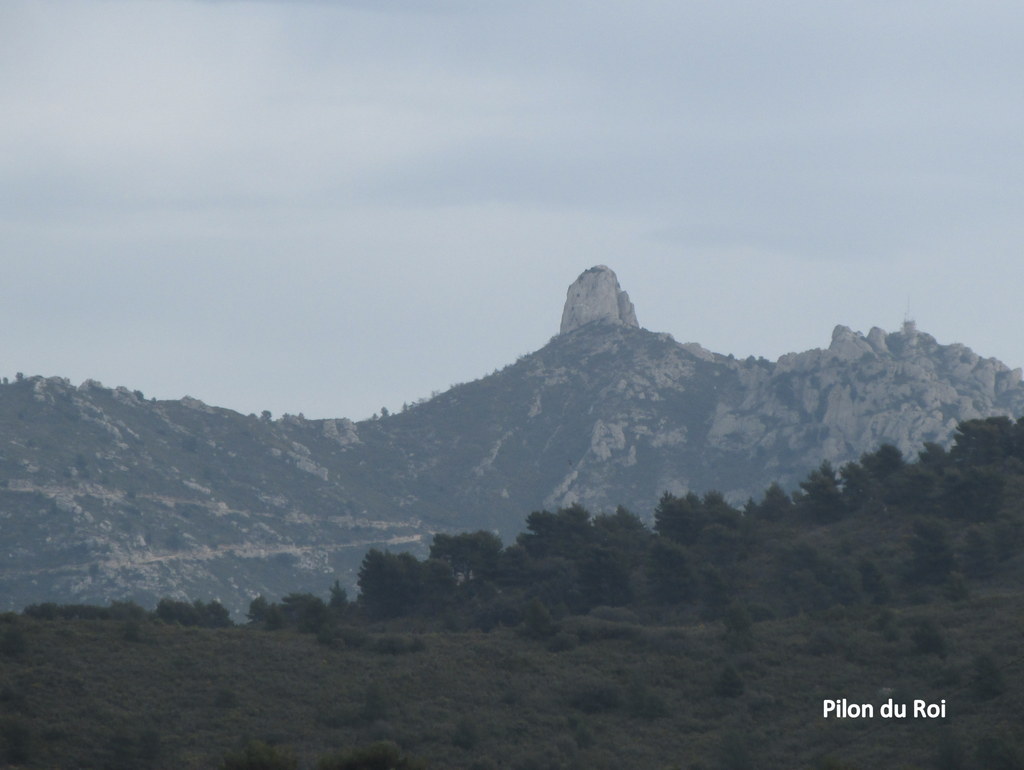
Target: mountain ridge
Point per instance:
(107, 495)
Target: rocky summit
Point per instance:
(596, 296)
(105, 494)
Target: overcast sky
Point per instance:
(329, 207)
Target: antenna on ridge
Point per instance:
(909, 326)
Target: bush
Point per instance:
(375, 705)
(998, 753)
(928, 639)
(580, 731)
(305, 612)
(149, 745)
(398, 645)
(353, 637)
(729, 683)
(614, 614)
(932, 555)
(537, 622)
(824, 641)
(13, 701)
(131, 631)
(127, 611)
(988, 679)
(738, 627)
(734, 754)
(206, 615)
(466, 734)
(595, 630)
(951, 754)
(596, 697)
(13, 643)
(257, 755)
(225, 699)
(16, 742)
(128, 750)
(563, 641)
(644, 704)
(377, 756)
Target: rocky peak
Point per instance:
(849, 345)
(596, 296)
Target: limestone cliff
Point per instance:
(596, 296)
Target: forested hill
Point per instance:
(879, 530)
(593, 641)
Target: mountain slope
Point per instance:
(104, 494)
(609, 414)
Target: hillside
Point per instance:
(105, 494)
(714, 640)
(626, 697)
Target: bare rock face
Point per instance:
(597, 296)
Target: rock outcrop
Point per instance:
(596, 296)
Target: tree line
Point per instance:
(878, 530)
(872, 531)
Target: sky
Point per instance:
(327, 208)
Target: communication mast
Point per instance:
(909, 324)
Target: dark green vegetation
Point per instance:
(598, 693)
(879, 532)
(591, 642)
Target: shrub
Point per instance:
(353, 637)
(537, 622)
(998, 753)
(644, 704)
(127, 611)
(595, 630)
(377, 756)
(132, 631)
(207, 615)
(928, 639)
(466, 734)
(932, 555)
(398, 645)
(873, 582)
(149, 745)
(734, 754)
(988, 679)
(12, 642)
(729, 683)
(824, 641)
(16, 741)
(595, 697)
(257, 755)
(305, 612)
(13, 701)
(951, 754)
(614, 614)
(563, 641)
(375, 704)
(738, 627)
(580, 731)
(225, 699)
(831, 763)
